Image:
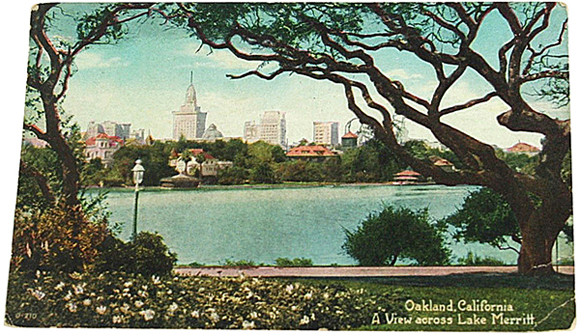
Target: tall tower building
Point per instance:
(189, 121)
(325, 133)
(273, 128)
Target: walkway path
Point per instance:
(350, 271)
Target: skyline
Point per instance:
(143, 78)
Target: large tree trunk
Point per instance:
(540, 229)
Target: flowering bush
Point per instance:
(121, 300)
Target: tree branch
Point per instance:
(468, 104)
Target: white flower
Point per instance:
(147, 314)
(214, 317)
(308, 295)
(169, 292)
(289, 288)
(71, 307)
(139, 304)
(68, 296)
(117, 319)
(326, 295)
(59, 286)
(87, 302)
(304, 321)
(79, 289)
(195, 314)
(142, 294)
(101, 310)
(125, 308)
(293, 308)
(37, 294)
(248, 324)
(173, 307)
(128, 284)
(155, 280)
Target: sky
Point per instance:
(143, 78)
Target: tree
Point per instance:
(340, 42)
(485, 217)
(50, 68)
(396, 233)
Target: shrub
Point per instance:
(119, 300)
(55, 238)
(294, 262)
(147, 256)
(396, 233)
(472, 259)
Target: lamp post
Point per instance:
(138, 172)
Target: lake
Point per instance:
(210, 225)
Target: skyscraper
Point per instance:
(189, 121)
(273, 128)
(325, 133)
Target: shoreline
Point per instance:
(259, 186)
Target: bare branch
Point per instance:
(258, 74)
(468, 104)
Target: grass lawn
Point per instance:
(528, 303)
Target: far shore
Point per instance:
(264, 186)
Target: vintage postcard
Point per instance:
(295, 166)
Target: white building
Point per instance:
(325, 133)
(251, 131)
(189, 120)
(272, 129)
(111, 128)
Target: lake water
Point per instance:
(211, 225)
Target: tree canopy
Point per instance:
(396, 234)
(341, 43)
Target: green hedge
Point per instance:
(135, 301)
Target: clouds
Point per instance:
(93, 60)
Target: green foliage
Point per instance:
(396, 233)
(484, 217)
(119, 300)
(240, 263)
(286, 262)
(149, 255)
(473, 260)
(56, 238)
(372, 162)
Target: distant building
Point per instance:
(311, 153)
(442, 163)
(35, 142)
(349, 140)
(189, 120)
(111, 128)
(212, 133)
(251, 131)
(102, 146)
(208, 167)
(325, 133)
(523, 148)
(408, 177)
(271, 129)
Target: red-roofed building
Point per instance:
(310, 152)
(523, 148)
(102, 146)
(408, 177)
